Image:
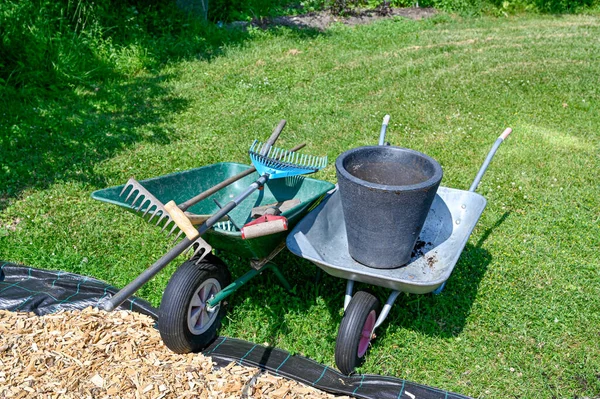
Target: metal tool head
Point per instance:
(277, 162)
(144, 201)
(199, 249)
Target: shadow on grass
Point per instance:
(443, 315)
(61, 132)
(62, 137)
(446, 314)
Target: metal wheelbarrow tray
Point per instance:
(180, 186)
(321, 238)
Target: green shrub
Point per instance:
(53, 44)
(543, 6)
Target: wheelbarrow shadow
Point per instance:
(444, 315)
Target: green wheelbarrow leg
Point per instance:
(258, 266)
(279, 275)
(266, 263)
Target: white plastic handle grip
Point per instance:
(505, 134)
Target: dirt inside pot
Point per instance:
(388, 173)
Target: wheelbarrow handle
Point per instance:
(384, 125)
(488, 159)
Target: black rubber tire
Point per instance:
(175, 303)
(350, 331)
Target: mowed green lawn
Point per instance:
(520, 315)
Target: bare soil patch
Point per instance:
(323, 19)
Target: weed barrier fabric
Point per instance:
(226, 350)
(26, 289)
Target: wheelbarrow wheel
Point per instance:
(185, 322)
(354, 334)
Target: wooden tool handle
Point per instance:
(181, 220)
(274, 137)
(263, 229)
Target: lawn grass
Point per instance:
(519, 317)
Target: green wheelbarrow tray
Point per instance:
(181, 186)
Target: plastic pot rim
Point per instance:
(433, 180)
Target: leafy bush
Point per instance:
(52, 44)
(543, 6)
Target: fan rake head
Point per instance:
(277, 162)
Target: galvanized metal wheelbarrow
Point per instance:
(321, 238)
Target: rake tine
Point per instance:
(126, 186)
(175, 227)
(178, 235)
(142, 203)
(163, 216)
(150, 206)
(166, 217)
(197, 251)
(133, 189)
(137, 197)
(155, 213)
(169, 221)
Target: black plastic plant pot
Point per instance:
(386, 193)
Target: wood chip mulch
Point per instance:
(94, 354)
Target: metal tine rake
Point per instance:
(276, 169)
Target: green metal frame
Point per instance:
(238, 283)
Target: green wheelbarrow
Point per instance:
(208, 281)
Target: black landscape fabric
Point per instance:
(26, 289)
